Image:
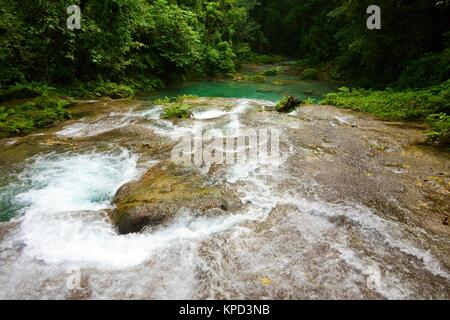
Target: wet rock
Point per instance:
(56, 142)
(271, 72)
(81, 291)
(6, 228)
(164, 190)
(288, 104)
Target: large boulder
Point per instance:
(162, 192)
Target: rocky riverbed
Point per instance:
(354, 207)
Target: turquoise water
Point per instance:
(264, 91)
(9, 187)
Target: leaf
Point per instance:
(266, 281)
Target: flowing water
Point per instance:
(352, 209)
(264, 91)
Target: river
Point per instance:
(352, 209)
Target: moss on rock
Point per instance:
(177, 111)
(310, 74)
(287, 104)
(160, 194)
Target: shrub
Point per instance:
(177, 111)
(309, 101)
(113, 90)
(310, 74)
(440, 129)
(162, 101)
(390, 104)
(287, 104)
(271, 72)
(344, 89)
(183, 97)
(256, 78)
(25, 90)
(432, 104)
(431, 69)
(266, 58)
(220, 59)
(39, 113)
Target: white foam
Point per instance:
(209, 114)
(112, 121)
(390, 232)
(86, 238)
(166, 128)
(83, 129)
(71, 182)
(386, 285)
(63, 222)
(153, 113)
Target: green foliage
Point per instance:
(431, 69)
(122, 41)
(220, 58)
(280, 104)
(432, 104)
(255, 78)
(265, 58)
(271, 72)
(309, 102)
(440, 129)
(162, 101)
(411, 43)
(39, 113)
(25, 90)
(310, 74)
(250, 78)
(177, 111)
(391, 104)
(287, 104)
(113, 90)
(184, 97)
(344, 90)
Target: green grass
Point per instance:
(250, 78)
(25, 90)
(439, 129)
(283, 104)
(271, 72)
(310, 74)
(41, 112)
(98, 89)
(113, 90)
(93, 89)
(431, 104)
(161, 101)
(266, 58)
(45, 108)
(177, 111)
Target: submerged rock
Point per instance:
(271, 72)
(160, 195)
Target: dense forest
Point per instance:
(127, 46)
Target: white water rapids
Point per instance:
(282, 244)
